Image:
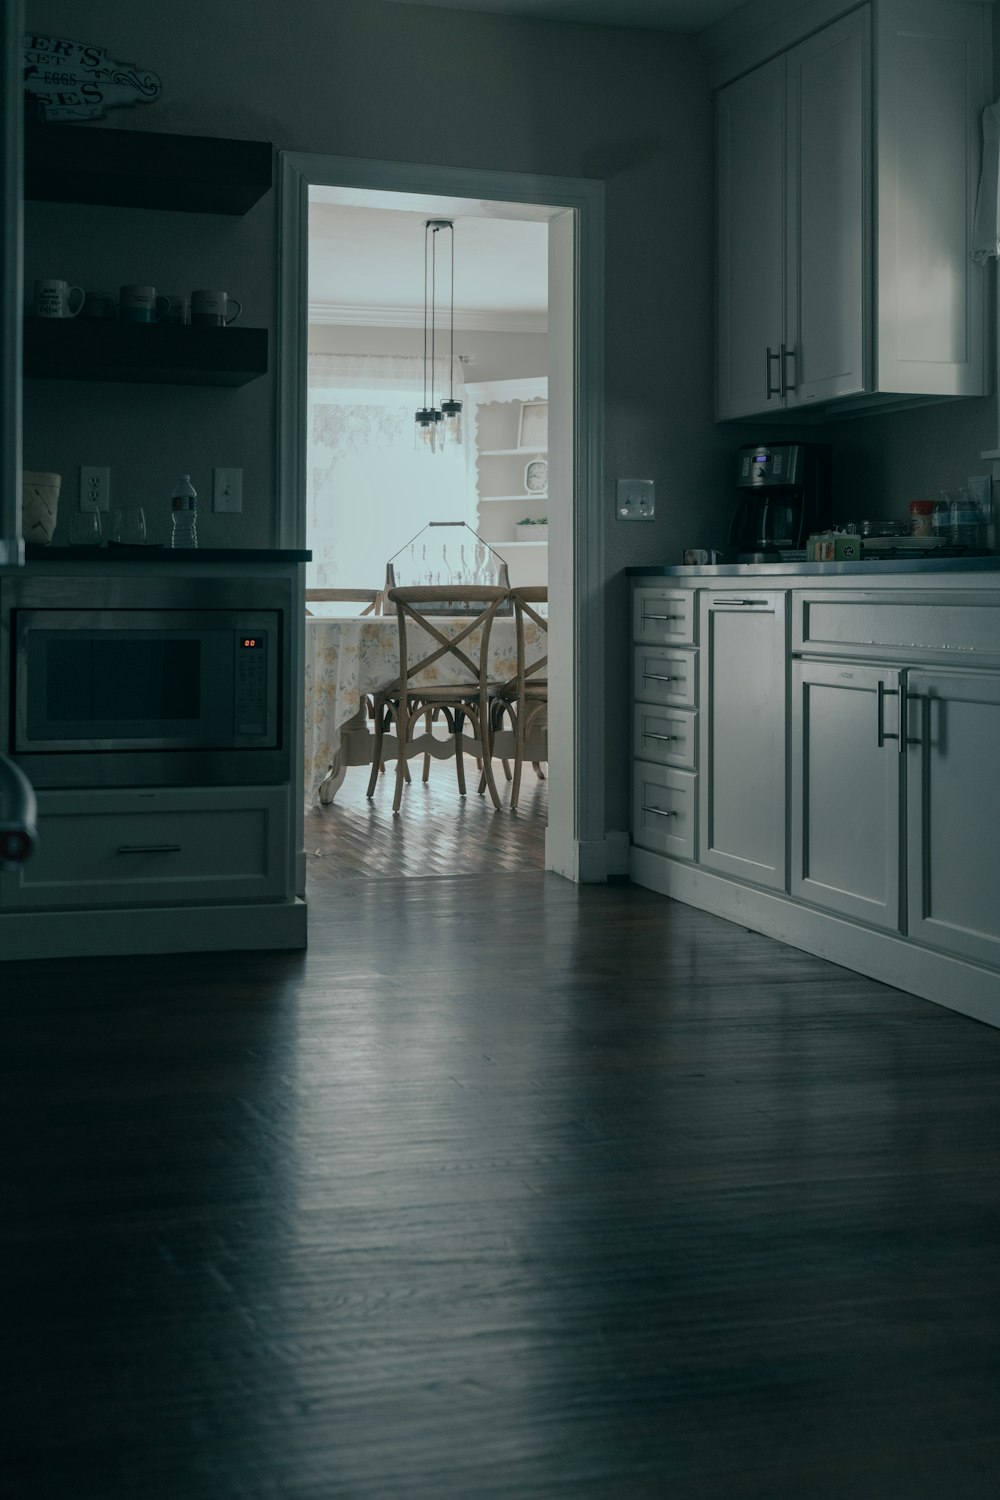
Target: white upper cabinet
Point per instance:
(845, 206)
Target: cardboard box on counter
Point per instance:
(834, 546)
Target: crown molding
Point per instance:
(381, 316)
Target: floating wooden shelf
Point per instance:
(145, 169)
(157, 353)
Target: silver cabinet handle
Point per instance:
(662, 617)
(658, 677)
(659, 812)
(664, 737)
(769, 389)
(716, 602)
(149, 848)
(881, 693)
(784, 356)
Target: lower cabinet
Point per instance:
(835, 784)
(155, 847)
(845, 789)
(953, 812)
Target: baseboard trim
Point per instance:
(173, 929)
(951, 982)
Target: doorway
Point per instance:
(574, 842)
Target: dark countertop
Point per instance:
(872, 568)
(160, 553)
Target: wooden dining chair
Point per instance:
(372, 597)
(461, 654)
(525, 697)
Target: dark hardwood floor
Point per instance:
(506, 1189)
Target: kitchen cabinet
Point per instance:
(155, 845)
(148, 170)
(817, 761)
(847, 169)
(845, 789)
(741, 780)
(953, 812)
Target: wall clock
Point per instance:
(536, 477)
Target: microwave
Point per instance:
(122, 682)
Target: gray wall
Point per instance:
(492, 355)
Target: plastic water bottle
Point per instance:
(184, 504)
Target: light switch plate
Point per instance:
(635, 499)
(227, 490)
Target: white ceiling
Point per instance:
(657, 15)
(366, 260)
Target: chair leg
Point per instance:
(459, 759)
(378, 714)
(402, 737)
(429, 718)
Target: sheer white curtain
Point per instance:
(369, 489)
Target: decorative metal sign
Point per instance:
(77, 81)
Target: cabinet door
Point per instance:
(742, 751)
(828, 212)
(953, 813)
(750, 125)
(846, 787)
(932, 86)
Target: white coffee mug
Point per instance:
(54, 299)
(214, 309)
(140, 304)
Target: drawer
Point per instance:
(155, 847)
(663, 810)
(667, 735)
(906, 626)
(665, 676)
(660, 616)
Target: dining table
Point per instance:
(349, 658)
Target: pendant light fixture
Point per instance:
(438, 423)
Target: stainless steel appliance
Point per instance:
(785, 496)
(145, 681)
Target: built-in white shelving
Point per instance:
(496, 422)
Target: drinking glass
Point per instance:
(85, 528)
(130, 526)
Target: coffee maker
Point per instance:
(785, 496)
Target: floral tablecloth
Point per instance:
(348, 658)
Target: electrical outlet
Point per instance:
(227, 490)
(95, 488)
(635, 499)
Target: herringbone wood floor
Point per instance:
(505, 1190)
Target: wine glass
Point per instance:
(129, 526)
(85, 528)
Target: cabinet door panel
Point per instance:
(750, 125)
(932, 87)
(828, 211)
(846, 790)
(742, 733)
(953, 813)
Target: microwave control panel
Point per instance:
(250, 715)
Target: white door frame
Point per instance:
(575, 842)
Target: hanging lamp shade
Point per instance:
(437, 422)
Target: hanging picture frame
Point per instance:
(533, 427)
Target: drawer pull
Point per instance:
(660, 812)
(663, 737)
(740, 602)
(663, 617)
(149, 848)
(658, 677)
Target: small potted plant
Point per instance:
(527, 530)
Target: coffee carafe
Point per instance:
(784, 491)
